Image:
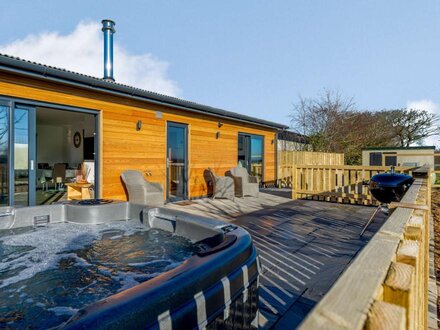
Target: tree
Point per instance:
(333, 124)
(319, 118)
(412, 126)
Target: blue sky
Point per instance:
(252, 57)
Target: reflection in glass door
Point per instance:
(23, 156)
(4, 154)
(177, 161)
(250, 154)
(257, 156)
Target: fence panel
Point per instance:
(288, 159)
(342, 184)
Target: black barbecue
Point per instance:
(386, 188)
(390, 187)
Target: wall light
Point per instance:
(138, 125)
(219, 124)
(217, 135)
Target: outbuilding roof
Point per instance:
(401, 148)
(36, 70)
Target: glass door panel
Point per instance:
(4, 155)
(250, 153)
(24, 151)
(257, 156)
(176, 161)
(243, 150)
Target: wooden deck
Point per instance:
(304, 246)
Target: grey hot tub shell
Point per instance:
(216, 288)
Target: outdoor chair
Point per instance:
(140, 191)
(245, 184)
(222, 186)
(43, 182)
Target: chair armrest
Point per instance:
(238, 180)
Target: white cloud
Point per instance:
(427, 105)
(82, 51)
(431, 107)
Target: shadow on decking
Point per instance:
(303, 245)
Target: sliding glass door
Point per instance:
(17, 154)
(23, 153)
(177, 162)
(4, 154)
(68, 137)
(250, 153)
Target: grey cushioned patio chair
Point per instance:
(222, 186)
(140, 191)
(245, 184)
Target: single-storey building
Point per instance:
(398, 156)
(50, 116)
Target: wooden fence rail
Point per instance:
(386, 286)
(287, 160)
(342, 184)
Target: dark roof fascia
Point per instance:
(293, 137)
(35, 70)
(400, 148)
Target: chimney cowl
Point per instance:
(108, 27)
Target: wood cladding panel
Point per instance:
(122, 147)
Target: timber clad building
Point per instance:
(51, 116)
(399, 156)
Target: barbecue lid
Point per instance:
(392, 180)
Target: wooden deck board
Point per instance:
(304, 246)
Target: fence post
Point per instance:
(294, 183)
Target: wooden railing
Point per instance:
(386, 286)
(257, 170)
(342, 184)
(176, 171)
(436, 183)
(287, 160)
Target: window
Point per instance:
(375, 159)
(390, 160)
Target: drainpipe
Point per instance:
(108, 27)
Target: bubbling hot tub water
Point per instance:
(49, 273)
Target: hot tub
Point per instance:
(213, 284)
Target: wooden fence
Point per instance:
(287, 160)
(436, 183)
(386, 286)
(342, 184)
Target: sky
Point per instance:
(252, 57)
